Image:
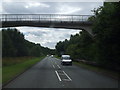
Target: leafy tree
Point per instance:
(104, 47)
(107, 31)
(14, 45)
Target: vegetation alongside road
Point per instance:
(56, 56)
(103, 48)
(14, 45)
(103, 71)
(19, 54)
(14, 66)
(96, 69)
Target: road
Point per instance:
(49, 73)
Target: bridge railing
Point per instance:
(43, 17)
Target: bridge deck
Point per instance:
(47, 20)
(43, 17)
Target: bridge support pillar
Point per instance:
(88, 29)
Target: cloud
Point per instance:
(78, 8)
(1, 9)
(47, 37)
(36, 4)
(67, 9)
(49, 7)
(57, 0)
(25, 7)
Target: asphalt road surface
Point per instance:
(49, 73)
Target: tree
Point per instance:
(14, 45)
(106, 28)
(104, 47)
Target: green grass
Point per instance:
(98, 69)
(0, 75)
(16, 66)
(15, 60)
(57, 57)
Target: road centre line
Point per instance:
(58, 76)
(59, 67)
(67, 76)
(53, 66)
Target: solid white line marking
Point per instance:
(58, 66)
(67, 76)
(58, 76)
(53, 66)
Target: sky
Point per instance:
(47, 37)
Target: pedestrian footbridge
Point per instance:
(76, 22)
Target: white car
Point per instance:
(47, 55)
(52, 56)
(66, 60)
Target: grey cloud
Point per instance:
(62, 37)
(19, 7)
(86, 6)
(15, 8)
(45, 36)
(38, 33)
(48, 37)
(50, 44)
(67, 35)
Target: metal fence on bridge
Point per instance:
(43, 17)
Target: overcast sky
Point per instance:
(48, 37)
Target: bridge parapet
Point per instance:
(81, 22)
(44, 17)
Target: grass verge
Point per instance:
(57, 57)
(103, 71)
(100, 70)
(11, 71)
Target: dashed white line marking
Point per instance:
(58, 66)
(58, 76)
(66, 79)
(67, 76)
(53, 66)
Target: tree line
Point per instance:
(103, 48)
(15, 45)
